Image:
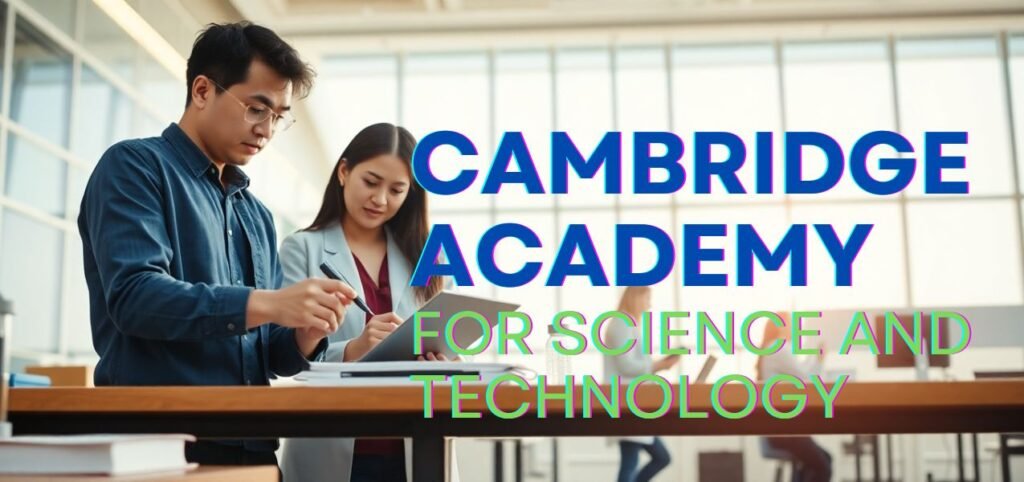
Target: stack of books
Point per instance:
(94, 454)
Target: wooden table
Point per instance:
(267, 412)
(259, 473)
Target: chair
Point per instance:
(782, 457)
(1007, 449)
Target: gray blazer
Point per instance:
(301, 255)
(330, 459)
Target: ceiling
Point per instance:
(322, 28)
(296, 18)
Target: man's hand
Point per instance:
(377, 329)
(313, 304)
(307, 340)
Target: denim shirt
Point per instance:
(171, 257)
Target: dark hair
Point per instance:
(223, 52)
(409, 226)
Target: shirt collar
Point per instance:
(198, 163)
(235, 179)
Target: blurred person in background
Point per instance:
(811, 462)
(635, 301)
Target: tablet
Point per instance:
(398, 346)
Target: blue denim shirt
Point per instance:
(171, 257)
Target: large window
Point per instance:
(70, 97)
(79, 83)
(76, 83)
(923, 252)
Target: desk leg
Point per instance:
(1004, 458)
(974, 452)
(876, 458)
(499, 461)
(960, 457)
(519, 460)
(554, 459)
(888, 457)
(856, 457)
(428, 458)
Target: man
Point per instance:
(181, 259)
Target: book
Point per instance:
(94, 454)
(20, 380)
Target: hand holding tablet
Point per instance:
(399, 344)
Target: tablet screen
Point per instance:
(399, 345)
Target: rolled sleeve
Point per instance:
(229, 317)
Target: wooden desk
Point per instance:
(261, 473)
(265, 412)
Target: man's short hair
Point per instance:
(223, 52)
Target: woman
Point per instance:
(372, 226)
(635, 301)
(811, 462)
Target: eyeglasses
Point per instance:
(257, 113)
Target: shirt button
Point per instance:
(231, 326)
(238, 282)
(248, 382)
(229, 232)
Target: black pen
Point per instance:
(334, 274)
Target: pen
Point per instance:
(334, 274)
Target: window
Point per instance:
(108, 42)
(450, 91)
(966, 75)
(731, 88)
(583, 93)
(60, 12)
(41, 84)
(965, 253)
(522, 103)
(35, 176)
(30, 275)
(361, 91)
(642, 104)
(102, 117)
(73, 93)
(843, 89)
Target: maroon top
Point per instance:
(378, 298)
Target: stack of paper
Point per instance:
(94, 454)
(398, 372)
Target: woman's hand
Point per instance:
(431, 356)
(377, 329)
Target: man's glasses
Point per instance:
(258, 113)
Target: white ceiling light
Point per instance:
(144, 34)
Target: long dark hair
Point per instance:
(409, 227)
